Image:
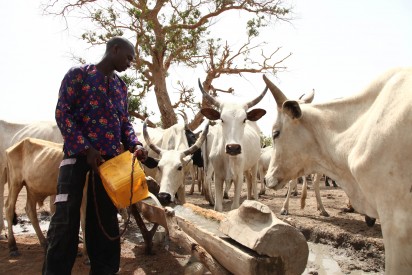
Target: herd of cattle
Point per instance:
(360, 141)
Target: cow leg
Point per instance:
(250, 191)
(396, 232)
(228, 184)
(2, 183)
(32, 214)
(200, 179)
(262, 182)
(253, 180)
(285, 207)
(208, 186)
(193, 177)
(304, 193)
(327, 181)
(219, 193)
(322, 210)
(238, 180)
(52, 207)
(14, 190)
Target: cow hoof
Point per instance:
(225, 196)
(284, 212)
(262, 192)
(324, 214)
(348, 210)
(14, 253)
(370, 221)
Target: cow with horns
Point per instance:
(174, 155)
(236, 146)
(362, 142)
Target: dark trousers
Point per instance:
(63, 233)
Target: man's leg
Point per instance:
(104, 253)
(63, 233)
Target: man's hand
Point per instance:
(94, 159)
(140, 153)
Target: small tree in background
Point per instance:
(265, 141)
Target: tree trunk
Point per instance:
(168, 116)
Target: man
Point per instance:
(92, 115)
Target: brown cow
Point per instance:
(33, 163)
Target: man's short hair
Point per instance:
(118, 40)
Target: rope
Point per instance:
(130, 203)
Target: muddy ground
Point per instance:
(347, 234)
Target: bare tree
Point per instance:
(174, 32)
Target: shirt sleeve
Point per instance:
(74, 141)
(129, 138)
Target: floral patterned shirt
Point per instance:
(91, 111)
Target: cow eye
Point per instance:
(179, 168)
(244, 120)
(275, 134)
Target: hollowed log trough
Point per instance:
(248, 240)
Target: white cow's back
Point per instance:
(46, 130)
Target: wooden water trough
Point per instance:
(248, 240)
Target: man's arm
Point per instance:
(74, 140)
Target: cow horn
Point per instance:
(308, 98)
(276, 92)
(184, 116)
(147, 138)
(211, 99)
(258, 99)
(198, 143)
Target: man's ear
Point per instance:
(210, 113)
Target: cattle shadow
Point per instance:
(175, 258)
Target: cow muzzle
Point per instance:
(272, 183)
(233, 149)
(164, 198)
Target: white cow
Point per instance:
(236, 146)
(174, 155)
(363, 143)
(11, 133)
(293, 185)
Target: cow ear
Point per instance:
(255, 114)
(210, 113)
(292, 109)
(151, 162)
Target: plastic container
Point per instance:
(116, 177)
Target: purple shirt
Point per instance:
(92, 111)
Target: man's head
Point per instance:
(120, 52)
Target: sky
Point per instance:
(337, 48)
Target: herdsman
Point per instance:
(92, 116)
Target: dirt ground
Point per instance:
(347, 233)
